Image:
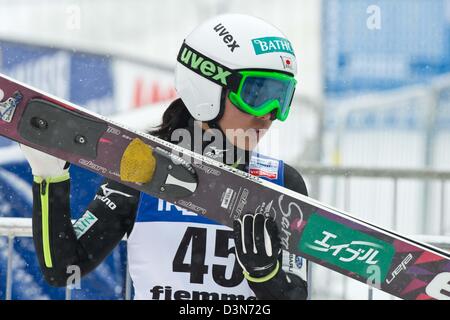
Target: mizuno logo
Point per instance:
(227, 37)
(206, 67)
(215, 152)
(107, 191)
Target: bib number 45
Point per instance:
(195, 238)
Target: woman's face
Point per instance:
(243, 129)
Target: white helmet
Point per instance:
(213, 55)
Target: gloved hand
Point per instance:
(44, 165)
(258, 247)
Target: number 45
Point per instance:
(197, 268)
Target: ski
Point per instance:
(330, 237)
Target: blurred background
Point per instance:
(369, 127)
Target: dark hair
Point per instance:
(176, 116)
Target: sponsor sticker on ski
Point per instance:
(344, 247)
(227, 198)
(8, 107)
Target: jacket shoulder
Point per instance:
(293, 180)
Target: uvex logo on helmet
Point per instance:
(227, 37)
(206, 67)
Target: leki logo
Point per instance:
(206, 67)
(272, 44)
(8, 107)
(345, 247)
(215, 152)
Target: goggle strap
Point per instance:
(208, 68)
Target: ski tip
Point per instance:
(138, 163)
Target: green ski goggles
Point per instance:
(262, 92)
(255, 92)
